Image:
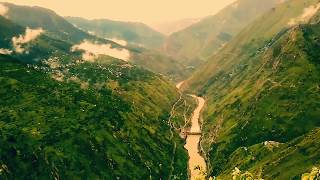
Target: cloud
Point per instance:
(30, 34)
(308, 13)
(5, 51)
(93, 50)
(3, 10)
(119, 41)
(91, 32)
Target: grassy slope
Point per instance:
(102, 120)
(281, 161)
(114, 123)
(263, 86)
(196, 43)
(279, 104)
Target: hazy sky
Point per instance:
(148, 11)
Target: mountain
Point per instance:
(196, 43)
(159, 62)
(32, 45)
(131, 32)
(75, 105)
(262, 91)
(38, 17)
(43, 30)
(168, 28)
(59, 37)
(65, 115)
(8, 30)
(69, 108)
(93, 121)
(132, 35)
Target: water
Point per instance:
(192, 145)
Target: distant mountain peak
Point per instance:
(169, 28)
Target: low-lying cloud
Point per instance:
(3, 10)
(92, 33)
(93, 50)
(5, 51)
(308, 13)
(119, 41)
(30, 34)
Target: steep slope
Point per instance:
(35, 34)
(159, 62)
(8, 30)
(87, 120)
(199, 41)
(38, 17)
(59, 37)
(251, 41)
(31, 46)
(64, 116)
(134, 34)
(131, 32)
(263, 97)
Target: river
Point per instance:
(192, 144)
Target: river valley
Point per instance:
(196, 162)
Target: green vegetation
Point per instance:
(99, 121)
(62, 117)
(263, 97)
(65, 118)
(8, 30)
(195, 44)
(313, 175)
(272, 160)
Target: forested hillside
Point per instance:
(94, 122)
(263, 96)
(66, 113)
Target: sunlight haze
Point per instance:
(155, 11)
(160, 89)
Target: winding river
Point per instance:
(193, 140)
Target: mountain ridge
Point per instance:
(58, 29)
(132, 32)
(199, 41)
(262, 95)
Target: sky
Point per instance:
(147, 11)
